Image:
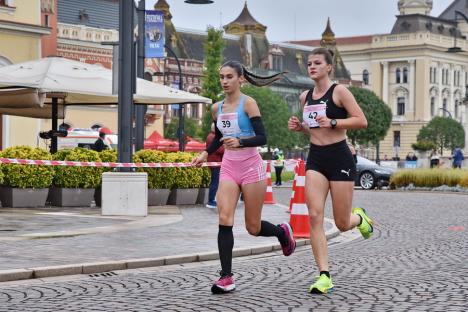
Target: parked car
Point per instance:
(371, 175)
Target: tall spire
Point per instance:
(162, 5)
(340, 72)
(245, 23)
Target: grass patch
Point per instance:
(429, 178)
(285, 176)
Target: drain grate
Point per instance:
(104, 274)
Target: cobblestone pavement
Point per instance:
(416, 261)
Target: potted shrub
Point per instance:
(160, 180)
(25, 185)
(109, 156)
(186, 182)
(204, 190)
(74, 186)
(422, 147)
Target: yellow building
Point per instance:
(20, 41)
(414, 69)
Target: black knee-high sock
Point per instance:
(225, 245)
(267, 229)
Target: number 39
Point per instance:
(226, 123)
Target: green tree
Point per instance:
(275, 115)
(190, 128)
(378, 114)
(211, 88)
(444, 133)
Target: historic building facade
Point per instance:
(420, 69)
(21, 31)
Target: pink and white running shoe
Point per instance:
(291, 246)
(224, 285)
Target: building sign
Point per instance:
(154, 34)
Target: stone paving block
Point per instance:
(57, 270)
(13, 275)
(144, 263)
(206, 256)
(180, 259)
(261, 249)
(241, 252)
(99, 267)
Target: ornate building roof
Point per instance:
(328, 41)
(415, 7)
(245, 23)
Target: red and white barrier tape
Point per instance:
(288, 162)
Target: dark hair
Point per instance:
(327, 54)
(102, 134)
(256, 80)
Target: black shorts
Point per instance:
(334, 161)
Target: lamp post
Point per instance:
(446, 111)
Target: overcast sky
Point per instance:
(296, 19)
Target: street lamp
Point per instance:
(446, 111)
(456, 49)
(198, 1)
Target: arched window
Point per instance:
(432, 106)
(456, 108)
(405, 75)
(444, 107)
(398, 75)
(365, 76)
(400, 106)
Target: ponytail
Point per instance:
(256, 80)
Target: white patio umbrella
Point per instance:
(32, 84)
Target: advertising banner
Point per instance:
(154, 34)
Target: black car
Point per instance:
(371, 175)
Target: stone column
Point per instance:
(439, 80)
(385, 83)
(412, 90)
(451, 101)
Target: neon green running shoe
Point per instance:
(365, 227)
(323, 285)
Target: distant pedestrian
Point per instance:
(100, 144)
(240, 128)
(215, 157)
(278, 163)
(457, 158)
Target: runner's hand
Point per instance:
(200, 159)
(230, 142)
(294, 124)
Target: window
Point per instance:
(2, 2)
(443, 76)
(401, 106)
(446, 76)
(432, 106)
(46, 20)
(277, 62)
(396, 138)
(398, 75)
(456, 109)
(431, 76)
(405, 75)
(365, 76)
(444, 107)
(194, 111)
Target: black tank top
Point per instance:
(333, 111)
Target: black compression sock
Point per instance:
(267, 229)
(225, 245)
(326, 273)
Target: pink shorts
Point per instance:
(242, 166)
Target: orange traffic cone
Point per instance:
(268, 199)
(293, 188)
(299, 219)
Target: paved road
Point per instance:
(416, 261)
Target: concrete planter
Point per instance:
(71, 197)
(203, 193)
(183, 196)
(18, 197)
(158, 197)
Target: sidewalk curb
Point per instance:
(106, 266)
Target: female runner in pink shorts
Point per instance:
(239, 127)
